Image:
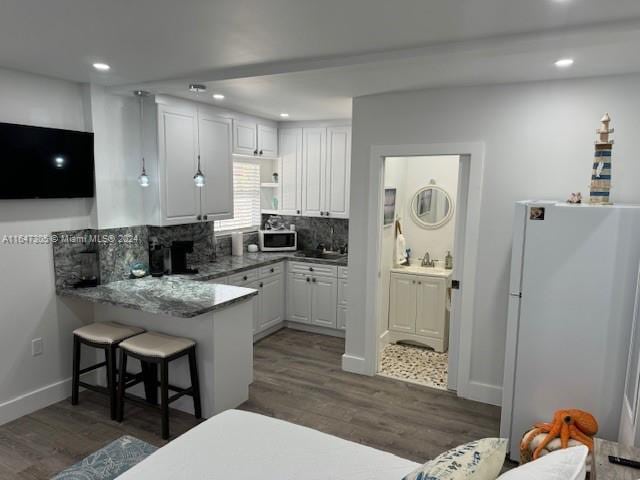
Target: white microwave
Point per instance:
(278, 240)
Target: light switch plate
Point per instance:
(36, 347)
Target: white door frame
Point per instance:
(466, 241)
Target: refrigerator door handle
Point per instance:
(516, 294)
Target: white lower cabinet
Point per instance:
(343, 299)
(324, 295)
(299, 298)
(417, 310)
(269, 304)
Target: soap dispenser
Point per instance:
(448, 261)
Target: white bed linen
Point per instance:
(237, 445)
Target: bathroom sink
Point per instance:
(419, 270)
(320, 255)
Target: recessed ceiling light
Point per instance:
(218, 96)
(564, 62)
(284, 115)
(197, 88)
(101, 67)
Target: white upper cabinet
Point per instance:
(177, 133)
(178, 144)
(251, 138)
(314, 152)
(290, 142)
(245, 140)
(217, 166)
(338, 172)
(267, 141)
(326, 166)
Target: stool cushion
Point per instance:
(106, 332)
(153, 344)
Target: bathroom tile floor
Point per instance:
(415, 364)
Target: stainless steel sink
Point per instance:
(320, 255)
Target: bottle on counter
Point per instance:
(448, 261)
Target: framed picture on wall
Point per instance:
(389, 206)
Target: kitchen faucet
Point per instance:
(331, 245)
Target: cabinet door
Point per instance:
(343, 285)
(324, 296)
(272, 302)
(313, 171)
(257, 304)
(214, 134)
(402, 303)
(177, 137)
(299, 298)
(290, 171)
(267, 141)
(244, 138)
(338, 172)
(430, 315)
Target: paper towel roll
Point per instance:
(236, 244)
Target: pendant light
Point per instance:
(143, 179)
(198, 178)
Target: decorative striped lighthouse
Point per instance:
(601, 174)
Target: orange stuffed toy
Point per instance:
(568, 424)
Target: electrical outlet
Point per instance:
(36, 347)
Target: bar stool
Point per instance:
(157, 348)
(104, 336)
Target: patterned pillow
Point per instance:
(478, 460)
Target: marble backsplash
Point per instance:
(118, 248)
(312, 231)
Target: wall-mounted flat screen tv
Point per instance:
(37, 162)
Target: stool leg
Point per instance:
(195, 383)
(75, 382)
(150, 376)
(121, 383)
(110, 354)
(164, 397)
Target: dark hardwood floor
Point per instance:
(297, 378)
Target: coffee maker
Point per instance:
(158, 258)
(179, 250)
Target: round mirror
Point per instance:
(431, 207)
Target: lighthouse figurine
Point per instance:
(601, 174)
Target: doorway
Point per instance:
(467, 226)
(416, 268)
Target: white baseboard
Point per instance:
(483, 392)
(32, 401)
(314, 329)
(353, 364)
(269, 331)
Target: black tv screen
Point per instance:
(37, 162)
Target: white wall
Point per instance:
(539, 144)
(29, 307)
(419, 171)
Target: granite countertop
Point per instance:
(229, 265)
(172, 296)
(187, 296)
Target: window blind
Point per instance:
(246, 198)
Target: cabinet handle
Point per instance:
(261, 152)
(321, 214)
(273, 270)
(261, 284)
(206, 217)
(413, 281)
(255, 152)
(311, 269)
(419, 283)
(313, 280)
(244, 278)
(308, 279)
(199, 217)
(298, 212)
(326, 213)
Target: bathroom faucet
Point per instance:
(427, 262)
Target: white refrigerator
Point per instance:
(571, 298)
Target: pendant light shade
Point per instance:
(198, 178)
(143, 179)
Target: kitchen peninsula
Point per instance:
(218, 317)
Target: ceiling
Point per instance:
(310, 57)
